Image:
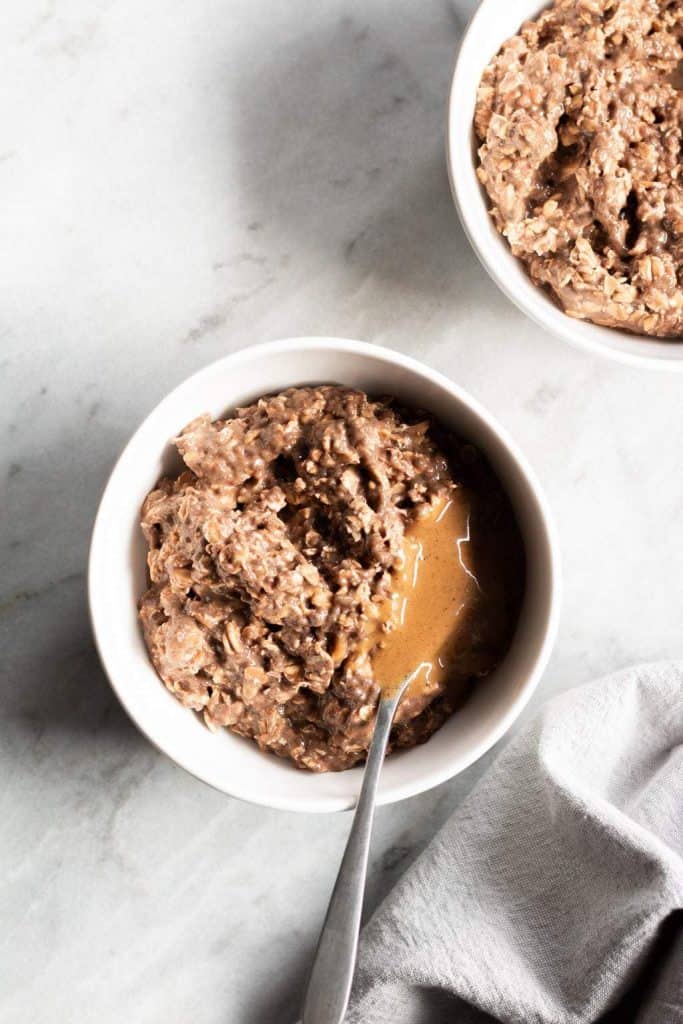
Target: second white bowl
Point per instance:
(117, 578)
(493, 22)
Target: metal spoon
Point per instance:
(329, 983)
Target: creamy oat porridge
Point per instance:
(579, 121)
(300, 551)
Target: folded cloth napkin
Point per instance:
(554, 894)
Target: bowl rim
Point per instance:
(441, 771)
(582, 334)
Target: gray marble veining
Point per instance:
(176, 181)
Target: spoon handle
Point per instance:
(329, 984)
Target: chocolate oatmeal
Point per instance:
(278, 561)
(579, 121)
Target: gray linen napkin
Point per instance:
(554, 894)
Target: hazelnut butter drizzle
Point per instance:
(419, 622)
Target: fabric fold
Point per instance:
(544, 898)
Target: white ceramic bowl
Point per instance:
(117, 577)
(493, 22)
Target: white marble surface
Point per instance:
(178, 180)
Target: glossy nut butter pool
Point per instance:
(432, 590)
(449, 604)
